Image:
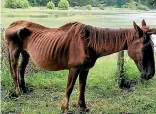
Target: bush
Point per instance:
(88, 7)
(16, 4)
(143, 7)
(131, 5)
(50, 5)
(102, 6)
(63, 4)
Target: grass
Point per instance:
(102, 92)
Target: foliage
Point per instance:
(89, 7)
(131, 5)
(63, 4)
(33, 3)
(38, 2)
(50, 5)
(134, 5)
(143, 7)
(16, 4)
(149, 3)
(95, 3)
(101, 6)
(80, 2)
(110, 2)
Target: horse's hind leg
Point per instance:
(22, 67)
(82, 85)
(73, 73)
(14, 53)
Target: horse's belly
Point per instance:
(47, 54)
(48, 64)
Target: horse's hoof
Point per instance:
(24, 91)
(18, 92)
(84, 109)
(64, 110)
(64, 105)
(13, 96)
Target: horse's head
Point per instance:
(141, 51)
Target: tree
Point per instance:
(16, 4)
(80, 2)
(63, 4)
(119, 3)
(50, 5)
(152, 3)
(89, 7)
(33, 2)
(110, 2)
(132, 5)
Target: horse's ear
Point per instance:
(143, 23)
(138, 29)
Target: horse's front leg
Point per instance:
(22, 67)
(13, 61)
(73, 73)
(82, 85)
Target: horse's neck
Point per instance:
(113, 40)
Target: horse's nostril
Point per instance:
(143, 75)
(146, 76)
(149, 76)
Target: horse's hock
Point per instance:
(31, 68)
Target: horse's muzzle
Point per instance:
(147, 76)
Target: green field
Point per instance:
(103, 95)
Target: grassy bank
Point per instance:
(102, 92)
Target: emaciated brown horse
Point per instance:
(74, 46)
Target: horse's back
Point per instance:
(52, 48)
(17, 25)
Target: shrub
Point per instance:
(63, 4)
(16, 4)
(132, 5)
(50, 5)
(89, 7)
(102, 6)
(143, 7)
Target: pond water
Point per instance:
(99, 18)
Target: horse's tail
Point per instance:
(9, 61)
(23, 33)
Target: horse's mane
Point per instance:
(68, 25)
(100, 38)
